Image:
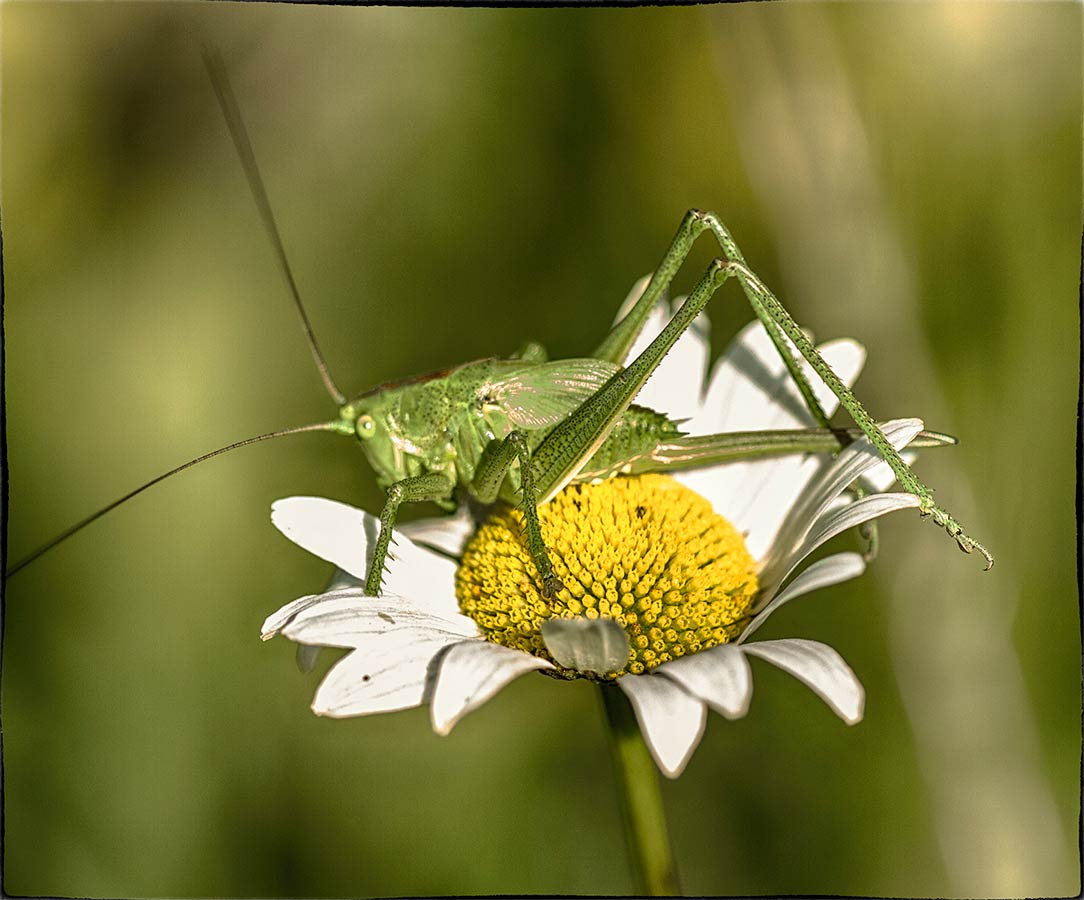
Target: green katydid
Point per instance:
(521, 429)
(572, 420)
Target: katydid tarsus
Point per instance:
(521, 429)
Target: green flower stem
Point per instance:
(641, 803)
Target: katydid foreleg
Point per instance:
(416, 489)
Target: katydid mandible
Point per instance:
(521, 429)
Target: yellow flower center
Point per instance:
(645, 551)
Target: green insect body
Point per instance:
(635, 444)
(446, 424)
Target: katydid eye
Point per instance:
(365, 426)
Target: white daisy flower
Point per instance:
(667, 579)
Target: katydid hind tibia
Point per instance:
(521, 429)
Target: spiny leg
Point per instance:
(565, 450)
(765, 303)
(496, 460)
(571, 443)
(620, 339)
(617, 343)
(778, 322)
(410, 490)
(867, 530)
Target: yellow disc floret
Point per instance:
(645, 551)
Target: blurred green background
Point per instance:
(449, 183)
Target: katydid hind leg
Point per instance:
(616, 345)
(766, 304)
(619, 341)
(571, 444)
(778, 322)
(710, 222)
(784, 332)
(565, 450)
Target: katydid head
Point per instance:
(371, 432)
(391, 453)
(405, 427)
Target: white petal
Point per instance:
(347, 536)
(349, 618)
(395, 673)
(308, 654)
(672, 721)
(853, 461)
(759, 502)
(823, 573)
(471, 673)
(587, 645)
(881, 477)
(333, 531)
(754, 496)
(829, 482)
(819, 667)
(275, 622)
(446, 533)
(630, 300)
(751, 389)
(737, 397)
(675, 386)
(839, 520)
(340, 578)
(719, 676)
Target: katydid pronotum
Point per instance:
(521, 429)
